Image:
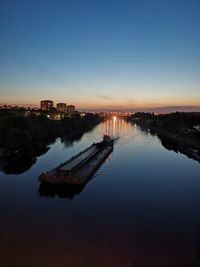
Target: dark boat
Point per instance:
(78, 169)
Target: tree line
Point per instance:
(21, 133)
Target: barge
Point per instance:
(77, 170)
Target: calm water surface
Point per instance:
(141, 208)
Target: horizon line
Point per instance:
(162, 109)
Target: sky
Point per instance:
(100, 53)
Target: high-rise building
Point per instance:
(46, 105)
(61, 107)
(70, 109)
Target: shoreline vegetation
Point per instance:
(178, 131)
(23, 138)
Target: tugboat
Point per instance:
(107, 139)
(77, 170)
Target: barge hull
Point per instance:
(82, 174)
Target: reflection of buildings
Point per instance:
(61, 107)
(46, 105)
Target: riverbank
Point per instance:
(177, 131)
(22, 139)
(184, 145)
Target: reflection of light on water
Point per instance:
(114, 125)
(118, 128)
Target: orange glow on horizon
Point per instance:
(145, 104)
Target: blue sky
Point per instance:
(139, 53)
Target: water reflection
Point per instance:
(68, 141)
(172, 144)
(57, 190)
(81, 176)
(20, 163)
(116, 127)
(140, 209)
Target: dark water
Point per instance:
(142, 208)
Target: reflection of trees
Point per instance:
(177, 131)
(169, 143)
(19, 163)
(68, 141)
(174, 143)
(18, 133)
(59, 190)
(178, 146)
(22, 139)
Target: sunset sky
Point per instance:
(100, 53)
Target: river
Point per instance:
(141, 208)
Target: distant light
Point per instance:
(114, 118)
(48, 116)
